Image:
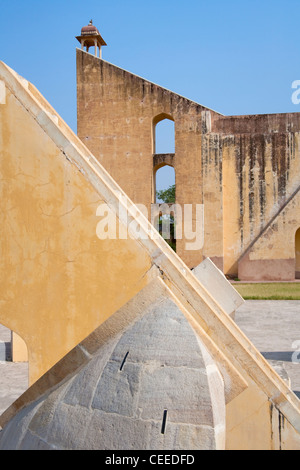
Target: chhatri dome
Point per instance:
(90, 37)
(89, 29)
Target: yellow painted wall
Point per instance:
(58, 281)
(18, 348)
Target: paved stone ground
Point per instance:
(13, 382)
(13, 376)
(272, 326)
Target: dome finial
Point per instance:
(91, 23)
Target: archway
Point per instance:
(163, 134)
(164, 177)
(297, 254)
(164, 183)
(14, 375)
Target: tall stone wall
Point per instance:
(117, 113)
(261, 165)
(243, 169)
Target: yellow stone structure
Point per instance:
(68, 292)
(243, 169)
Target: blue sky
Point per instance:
(237, 57)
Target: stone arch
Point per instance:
(171, 176)
(165, 210)
(168, 134)
(18, 349)
(297, 254)
(162, 159)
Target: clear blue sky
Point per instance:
(234, 56)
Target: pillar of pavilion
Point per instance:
(90, 37)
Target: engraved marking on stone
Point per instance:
(164, 422)
(124, 360)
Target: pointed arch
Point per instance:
(165, 177)
(163, 130)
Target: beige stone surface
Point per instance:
(13, 382)
(150, 388)
(19, 349)
(219, 287)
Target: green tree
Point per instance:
(167, 195)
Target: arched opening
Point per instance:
(164, 177)
(163, 134)
(165, 184)
(14, 375)
(297, 254)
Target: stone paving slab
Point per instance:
(273, 326)
(13, 382)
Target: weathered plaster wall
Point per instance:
(117, 112)
(272, 256)
(261, 164)
(244, 169)
(212, 174)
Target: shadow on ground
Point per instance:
(285, 356)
